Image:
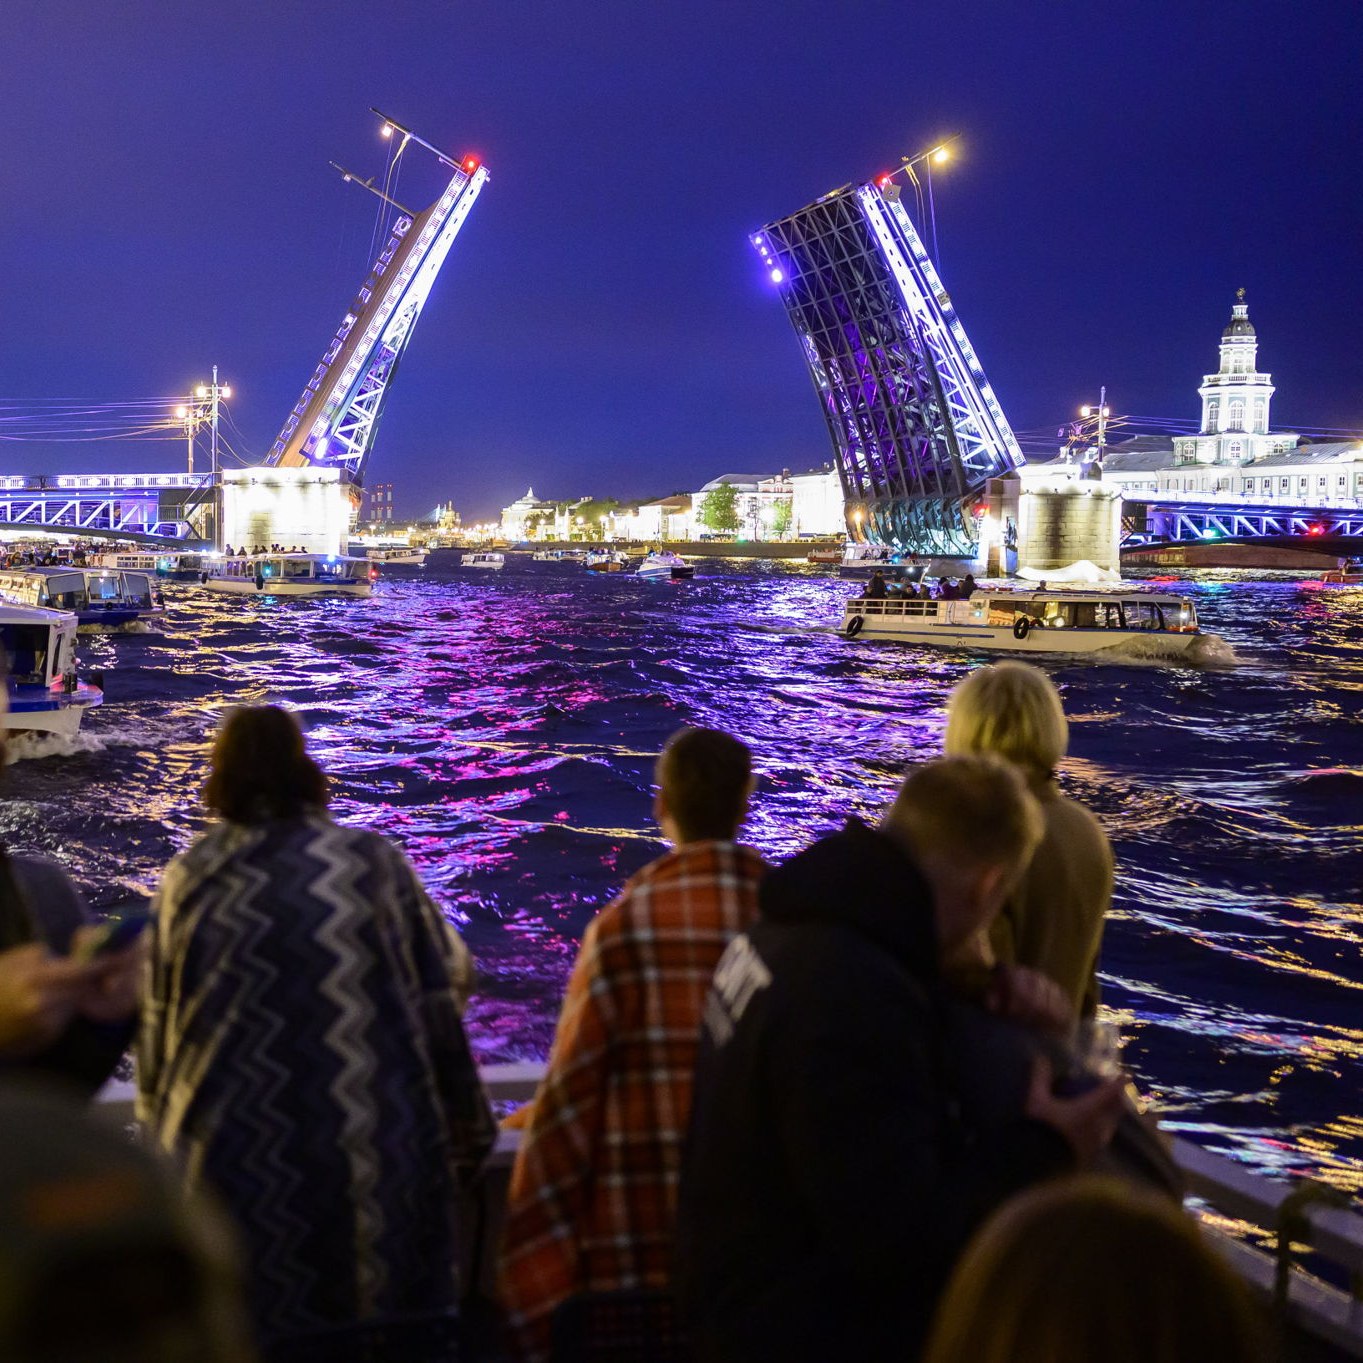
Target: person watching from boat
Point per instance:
(302, 1055)
(947, 591)
(67, 1010)
(591, 1205)
(830, 1181)
(968, 587)
(1087, 1268)
(1053, 918)
(875, 588)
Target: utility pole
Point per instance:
(1101, 412)
(213, 392)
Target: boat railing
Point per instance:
(1236, 1207)
(889, 605)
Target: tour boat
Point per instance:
(289, 575)
(484, 558)
(99, 597)
(555, 556)
(178, 566)
(399, 556)
(662, 565)
(1350, 571)
(861, 560)
(1055, 621)
(602, 561)
(830, 555)
(41, 687)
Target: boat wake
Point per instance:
(32, 744)
(1207, 650)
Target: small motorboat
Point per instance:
(602, 561)
(399, 556)
(290, 575)
(41, 685)
(484, 558)
(834, 554)
(1349, 572)
(662, 565)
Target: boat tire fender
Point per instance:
(203, 579)
(1022, 627)
(854, 626)
(260, 583)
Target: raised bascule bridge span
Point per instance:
(308, 486)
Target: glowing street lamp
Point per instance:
(1100, 413)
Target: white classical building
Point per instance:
(817, 506)
(668, 518)
(1236, 456)
(757, 497)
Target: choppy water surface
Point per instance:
(502, 728)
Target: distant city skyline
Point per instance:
(602, 325)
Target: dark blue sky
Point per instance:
(601, 324)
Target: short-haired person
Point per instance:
(593, 1193)
(302, 1054)
(1053, 919)
(830, 1179)
(1085, 1269)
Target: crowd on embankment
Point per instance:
(853, 1106)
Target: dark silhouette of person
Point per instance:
(875, 588)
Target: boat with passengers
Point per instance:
(662, 565)
(1349, 572)
(41, 686)
(484, 558)
(100, 598)
(175, 566)
(1040, 620)
(396, 556)
(290, 575)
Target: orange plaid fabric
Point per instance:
(593, 1193)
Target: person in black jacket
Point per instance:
(831, 1179)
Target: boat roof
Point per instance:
(11, 614)
(1077, 591)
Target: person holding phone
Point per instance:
(68, 986)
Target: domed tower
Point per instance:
(1235, 399)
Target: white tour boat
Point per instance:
(662, 565)
(176, 566)
(289, 575)
(400, 556)
(1040, 621)
(40, 671)
(484, 558)
(555, 556)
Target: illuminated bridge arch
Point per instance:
(916, 430)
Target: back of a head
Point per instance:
(103, 1259)
(960, 815)
(1011, 709)
(1088, 1268)
(261, 768)
(705, 777)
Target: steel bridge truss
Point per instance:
(334, 422)
(1178, 522)
(916, 429)
(133, 511)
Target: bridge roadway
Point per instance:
(152, 508)
(1152, 520)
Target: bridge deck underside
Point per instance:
(1187, 520)
(133, 512)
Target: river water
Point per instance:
(502, 728)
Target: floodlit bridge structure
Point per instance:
(331, 429)
(917, 432)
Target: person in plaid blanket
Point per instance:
(592, 1199)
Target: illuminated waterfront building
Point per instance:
(378, 503)
(757, 497)
(816, 503)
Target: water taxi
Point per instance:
(41, 687)
(861, 560)
(603, 561)
(290, 575)
(484, 558)
(101, 598)
(662, 565)
(1349, 572)
(178, 566)
(555, 556)
(1041, 621)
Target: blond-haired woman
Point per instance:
(1053, 920)
(1087, 1269)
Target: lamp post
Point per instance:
(203, 405)
(1100, 413)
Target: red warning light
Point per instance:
(883, 180)
(471, 163)
(1315, 529)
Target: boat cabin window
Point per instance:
(340, 568)
(1143, 615)
(26, 653)
(296, 568)
(103, 587)
(137, 588)
(66, 591)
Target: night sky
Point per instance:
(601, 325)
